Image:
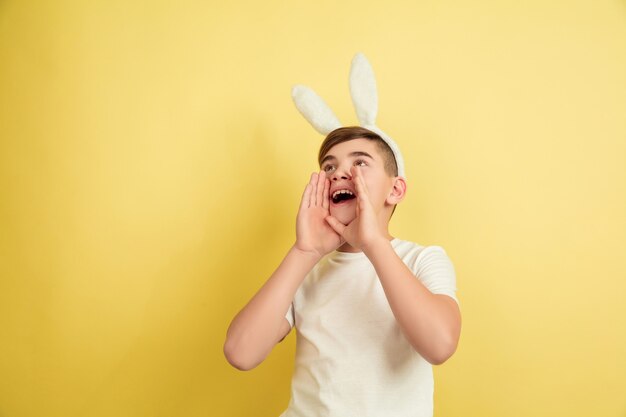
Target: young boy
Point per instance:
(373, 313)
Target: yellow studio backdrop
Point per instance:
(152, 162)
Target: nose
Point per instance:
(341, 173)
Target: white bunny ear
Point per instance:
(363, 90)
(314, 109)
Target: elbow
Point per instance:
(440, 356)
(447, 345)
(442, 352)
(236, 358)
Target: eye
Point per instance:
(360, 163)
(328, 167)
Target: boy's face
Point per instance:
(337, 162)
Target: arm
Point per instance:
(430, 322)
(261, 324)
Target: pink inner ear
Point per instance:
(399, 188)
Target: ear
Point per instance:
(363, 90)
(398, 191)
(314, 109)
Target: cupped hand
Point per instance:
(364, 230)
(313, 234)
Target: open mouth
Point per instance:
(340, 196)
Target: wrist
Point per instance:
(376, 245)
(307, 256)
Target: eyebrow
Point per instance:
(353, 154)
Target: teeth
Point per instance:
(336, 193)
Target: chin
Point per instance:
(344, 214)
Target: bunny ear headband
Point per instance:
(364, 98)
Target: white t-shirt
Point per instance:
(351, 356)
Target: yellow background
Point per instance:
(151, 165)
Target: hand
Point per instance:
(313, 234)
(364, 230)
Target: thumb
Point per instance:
(335, 224)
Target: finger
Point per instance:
(361, 188)
(336, 225)
(363, 202)
(319, 195)
(306, 197)
(326, 200)
(311, 197)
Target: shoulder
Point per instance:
(431, 265)
(413, 254)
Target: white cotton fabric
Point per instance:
(351, 356)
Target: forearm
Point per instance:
(255, 330)
(430, 322)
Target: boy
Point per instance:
(372, 312)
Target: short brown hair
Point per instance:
(344, 134)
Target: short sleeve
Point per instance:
(289, 315)
(435, 270)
